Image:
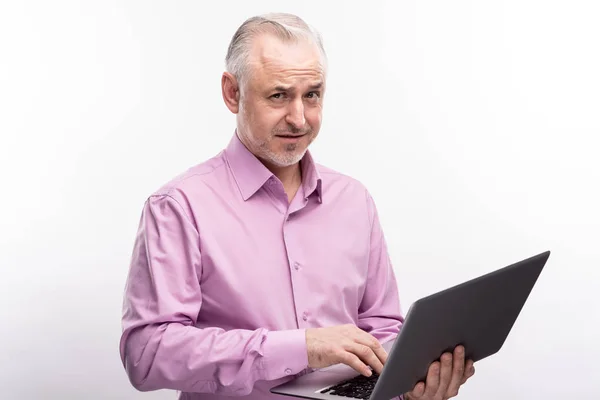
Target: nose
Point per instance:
(295, 116)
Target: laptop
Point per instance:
(478, 314)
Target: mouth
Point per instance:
(290, 137)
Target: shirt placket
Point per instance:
(297, 265)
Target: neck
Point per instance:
(290, 176)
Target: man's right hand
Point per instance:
(345, 344)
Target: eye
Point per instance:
(277, 96)
(313, 97)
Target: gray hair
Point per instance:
(288, 27)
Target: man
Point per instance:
(259, 264)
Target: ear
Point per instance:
(231, 92)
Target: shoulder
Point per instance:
(345, 189)
(334, 180)
(190, 185)
(335, 177)
(194, 177)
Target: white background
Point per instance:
(473, 123)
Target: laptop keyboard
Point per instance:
(359, 387)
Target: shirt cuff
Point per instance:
(284, 353)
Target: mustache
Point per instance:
(292, 131)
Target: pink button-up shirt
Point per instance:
(226, 275)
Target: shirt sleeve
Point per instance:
(160, 347)
(379, 311)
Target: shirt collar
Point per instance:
(250, 174)
(311, 179)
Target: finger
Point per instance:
(418, 391)
(433, 379)
(366, 355)
(445, 375)
(369, 340)
(354, 362)
(458, 371)
(469, 371)
(376, 348)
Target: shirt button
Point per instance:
(296, 265)
(305, 316)
(288, 371)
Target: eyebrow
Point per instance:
(281, 88)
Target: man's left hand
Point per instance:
(444, 378)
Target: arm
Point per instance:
(379, 312)
(161, 348)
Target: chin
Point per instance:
(285, 159)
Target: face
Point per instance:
(280, 105)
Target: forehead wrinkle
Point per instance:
(278, 69)
(290, 79)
